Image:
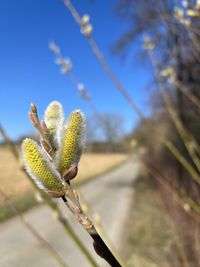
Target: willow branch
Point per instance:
(48, 200)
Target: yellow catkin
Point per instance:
(72, 142)
(39, 168)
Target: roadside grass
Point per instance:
(28, 200)
(149, 238)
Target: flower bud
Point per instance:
(87, 30)
(85, 19)
(71, 173)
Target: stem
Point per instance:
(99, 245)
(79, 243)
(102, 250)
(9, 143)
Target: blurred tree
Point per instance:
(177, 50)
(112, 127)
(92, 130)
(176, 44)
(173, 28)
(105, 133)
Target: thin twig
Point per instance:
(190, 96)
(80, 88)
(188, 141)
(9, 143)
(100, 229)
(177, 238)
(103, 62)
(180, 199)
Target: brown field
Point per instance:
(14, 182)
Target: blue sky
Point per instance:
(27, 69)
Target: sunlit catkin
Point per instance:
(54, 120)
(41, 170)
(71, 142)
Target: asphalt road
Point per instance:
(110, 196)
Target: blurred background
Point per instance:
(133, 68)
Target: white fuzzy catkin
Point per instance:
(54, 118)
